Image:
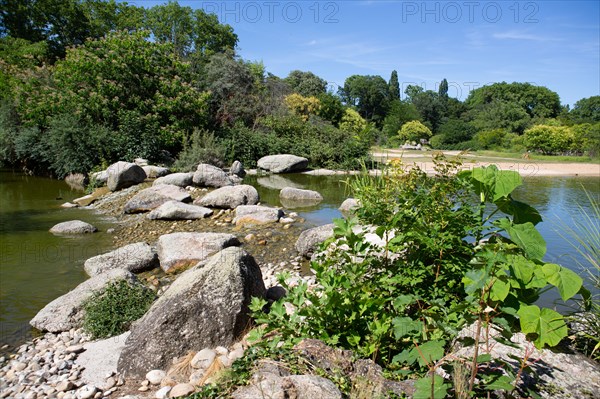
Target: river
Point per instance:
(36, 267)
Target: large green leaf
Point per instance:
(525, 236)
(500, 289)
(548, 325)
(520, 211)
(403, 326)
(424, 354)
(567, 281)
(474, 280)
(493, 182)
(423, 388)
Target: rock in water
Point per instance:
(175, 210)
(256, 214)
(124, 174)
(309, 240)
(134, 258)
(297, 198)
(73, 227)
(205, 307)
(153, 197)
(66, 312)
(230, 197)
(282, 163)
(179, 251)
(237, 169)
(210, 176)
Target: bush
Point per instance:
(111, 311)
(550, 140)
(201, 147)
(490, 139)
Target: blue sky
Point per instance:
(470, 43)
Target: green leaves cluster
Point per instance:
(111, 311)
(447, 261)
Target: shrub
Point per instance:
(111, 311)
(201, 147)
(549, 139)
(414, 131)
(490, 139)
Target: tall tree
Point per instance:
(306, 83)
(369, 94)
(586, 110)
(443, 89)
(394, 87)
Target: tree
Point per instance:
(443, 89)
(586, 110)
(428, 104)
(352, 122)
(331, 109)
(302, 106)
(414, 131)
(453, 133)
(515, 106)
(549, 139)
(400, 112)
(369, 94)
(192, 32)
(394, 87)
(306, 83)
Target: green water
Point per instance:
(36, 266)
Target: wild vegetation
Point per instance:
(82, 85)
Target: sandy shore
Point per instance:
(524, 167)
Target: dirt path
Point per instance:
(524, 167)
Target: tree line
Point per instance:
(84, 83)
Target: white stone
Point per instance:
(155, 376)
(162, 393)
(203, 359)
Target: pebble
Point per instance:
(181, 390)
(86, 392)
(203, 359)
(154, 377)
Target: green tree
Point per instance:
(549, 139)
(192, 32)
(414, 131)
(352, 122)
(306, 84)
(428, 104)
(443, 89)
(586, 110)
(331, 109)
(369, 94)
(455, 132)
(394, 87)
(514, 106)
(399, 113)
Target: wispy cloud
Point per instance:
(523, 36)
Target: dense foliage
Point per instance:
(111, 311)
(440, 266)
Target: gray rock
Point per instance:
(100, 359)
(175, 210)
(203, 359)
(256, 214)
(282, 163)
(73, 227)
(66, 312)
(153, 197)
(277, 182)
(237, 169)
(294, 386)
(299, 194)
(210, 176)
(124, 174)
(309, 240)
(153, 171)
(86, 392)
(553, 374)
(100, 177)
(154, 377)
(230, 197)
(180, 390)
(179, 251)
(134, 258)
(205, 307)
(176, 179)
(349, 205)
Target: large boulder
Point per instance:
(237, 169)
(293, 386)
(153, 171)
(66, 312)
(73, 227)
(153, 197)
(134, 258)
(175, 210)
(309, 240)
(100, 178)
(230, 197)
(124, 174)
(256, 214)
(204, 308)
(176, 179)
(210, 176)
(100, 358)
(296, 198)
(282, 163)
(179, 251)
